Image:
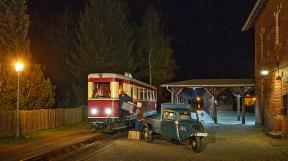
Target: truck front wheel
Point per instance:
(148, 134)
(196, 144)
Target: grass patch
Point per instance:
(33, 135)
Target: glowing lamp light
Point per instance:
(264, 72)
(19, 67)
(108, 111)
(94, 111)
(198, 98)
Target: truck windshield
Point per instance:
(184, 115)
(187, 115)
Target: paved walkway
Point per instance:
(228, 118)
(24, 148)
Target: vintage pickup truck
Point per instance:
(177, 122)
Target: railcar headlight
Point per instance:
(108, 111)
(94, 111)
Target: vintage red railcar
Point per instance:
(103, 98)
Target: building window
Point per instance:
(276, 15)
(262, 42)
(262, 31)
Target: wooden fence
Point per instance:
(35, 120)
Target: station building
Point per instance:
(269, 19)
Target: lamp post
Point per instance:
(19, 69)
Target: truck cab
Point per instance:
(179, 122)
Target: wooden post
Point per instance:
(238, 107)
(243, 110)
(214, 110)
(214, 92)
(241, 91)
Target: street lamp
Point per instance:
(19, 68)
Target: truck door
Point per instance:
(168, 128)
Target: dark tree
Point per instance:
(155, 55)
(53, 31)
(104, 42)
(36, 91)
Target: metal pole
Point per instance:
(17, 110)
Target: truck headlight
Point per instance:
(108, 111)
(94, 111)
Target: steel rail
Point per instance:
(52, 154)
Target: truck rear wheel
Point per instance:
(196, 144)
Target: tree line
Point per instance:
(62, 46)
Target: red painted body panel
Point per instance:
(101, 105)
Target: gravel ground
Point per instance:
(226, 142)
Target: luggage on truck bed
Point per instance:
(134, 135)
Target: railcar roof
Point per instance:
(114, 75)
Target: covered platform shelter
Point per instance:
(213, 88)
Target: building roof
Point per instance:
(194, 83)
(254, 14)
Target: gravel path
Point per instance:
(226, 142)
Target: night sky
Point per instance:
(206, 34)
(208, 42)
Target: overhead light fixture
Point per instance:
(264, 72)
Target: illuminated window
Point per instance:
(101, 90)
(135, 92)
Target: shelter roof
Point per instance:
(200, 83)
(254, 14)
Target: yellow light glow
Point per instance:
(19, 67)
(264, 72)
(198, 98)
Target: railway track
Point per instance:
(54, 154)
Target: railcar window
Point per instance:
(140, 91)
(135, 92)
(144, 93)
(102, 90)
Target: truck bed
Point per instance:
(156, 124)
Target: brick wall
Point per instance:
(268, 53)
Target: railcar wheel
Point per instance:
(196, 144)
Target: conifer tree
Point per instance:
(35, 90)
(104, 41)
(156, 62)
